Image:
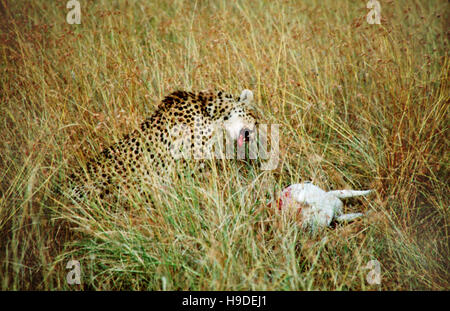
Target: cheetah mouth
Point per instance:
(244, 136)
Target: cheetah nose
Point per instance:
(245, 133)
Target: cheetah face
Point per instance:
(241, 124)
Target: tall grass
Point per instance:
(359, 106)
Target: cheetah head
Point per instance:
(240, 124)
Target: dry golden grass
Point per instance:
(359, 106)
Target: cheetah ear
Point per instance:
(246, 97)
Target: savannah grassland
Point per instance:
(359, 106)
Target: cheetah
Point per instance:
(185, 123)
